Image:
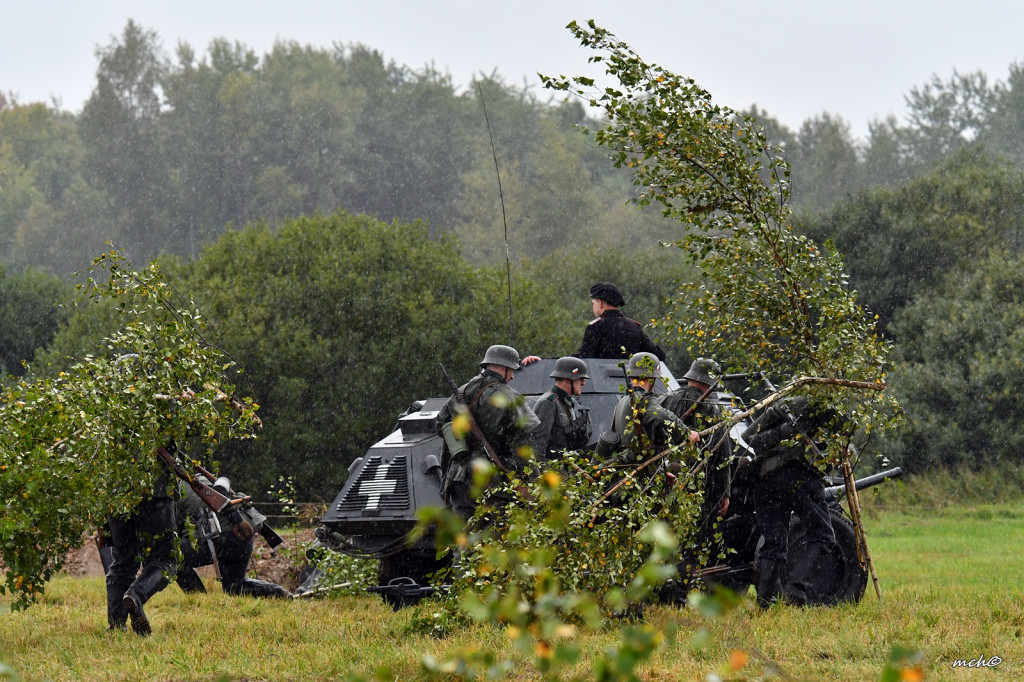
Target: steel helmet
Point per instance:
(506, 356)
(643, 366)
(704, 370)
(569, 368)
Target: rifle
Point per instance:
(473, 426)
(207, 528)
(213, 499)
(268, 533)
(699, 400)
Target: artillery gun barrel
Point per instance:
(833, 492)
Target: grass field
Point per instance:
(951, 582)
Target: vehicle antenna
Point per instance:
(504, 221)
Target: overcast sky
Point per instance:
(793, 58)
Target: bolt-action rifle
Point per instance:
(213, 498)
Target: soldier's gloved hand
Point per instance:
(243, 531)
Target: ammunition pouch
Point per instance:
(578, 432)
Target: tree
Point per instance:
(30, 314)
(769, 298)
(946, 116)
(960, 349)
(214, 153)
(1004, 129)
(120, 130)
(904, 241)
(825, 162)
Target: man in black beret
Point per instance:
(611, 334)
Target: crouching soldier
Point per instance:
(229, 550)
(505, 422)
(642, 425)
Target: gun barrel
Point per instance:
(866, 482)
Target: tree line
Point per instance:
(337, 317)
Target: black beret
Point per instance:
(607, 292)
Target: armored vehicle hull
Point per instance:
(375, 511)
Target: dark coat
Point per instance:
(606, 336)
(564, 423)
(717, 480)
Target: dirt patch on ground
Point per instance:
(282, 565)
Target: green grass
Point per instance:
(950, 580)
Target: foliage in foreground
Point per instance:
(557, 560)
(80, 445)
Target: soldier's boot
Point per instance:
(149, 582)
(117, 616)
(803, 572)
(189, 581)
(769, 581)
(258, 588)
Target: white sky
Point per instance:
(793, 58)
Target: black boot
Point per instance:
(117, 616)
(769, 581)
(189, 581)
(257, 588)
(149, 582)
(804, 569)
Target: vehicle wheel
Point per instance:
(838, 576)
(405, 570)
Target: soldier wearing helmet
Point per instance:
(564, 423)
(641, 423)
(504, 418)
(610, 331)
(693, 400)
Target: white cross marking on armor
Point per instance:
(377, 487)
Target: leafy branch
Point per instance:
(79, 446)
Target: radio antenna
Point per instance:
(504, 221)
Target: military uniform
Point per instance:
(606, 336)
(717, 480)
(564, 423)
(787, 484)
(145, 537)
(233, 547)
(505, 420)
(658, 427)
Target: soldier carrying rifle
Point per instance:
(485, 420)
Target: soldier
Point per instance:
(641, 423)
(504, 419)
(702, 375)
(564, 423)
(787, 483)
(145, 536)
(232, 547)
(610, 331)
